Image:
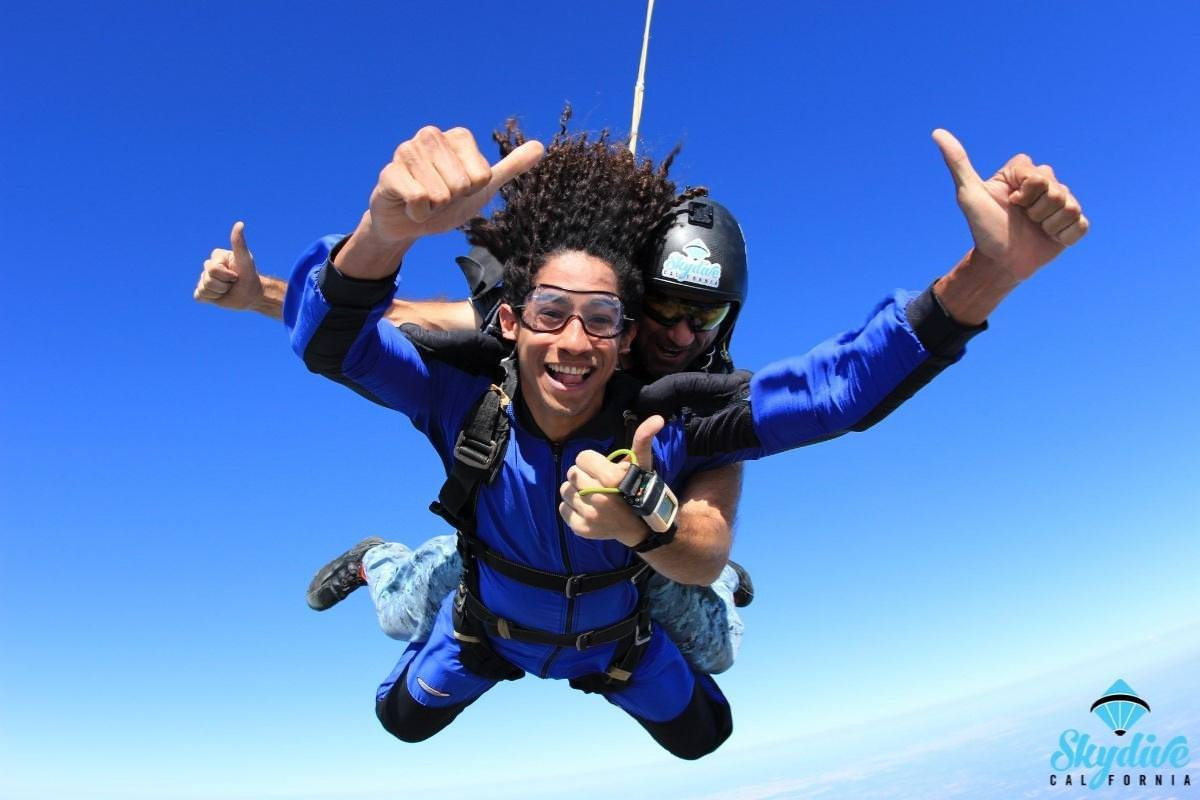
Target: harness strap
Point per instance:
(631, 627)
(566, 585)
(478, 454)
(626, 657)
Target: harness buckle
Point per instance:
(584, 640)
(571, 590)
(638, 638)
(473, 452)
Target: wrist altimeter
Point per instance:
(652, 500)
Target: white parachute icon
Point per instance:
(1120, 707)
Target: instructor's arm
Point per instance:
(230, 279)
(704, 535)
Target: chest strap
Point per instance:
(567, 585)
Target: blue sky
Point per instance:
(170, 475)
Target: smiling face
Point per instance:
(563, 374)
(665, 350)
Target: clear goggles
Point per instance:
(548, 309)
(668, 312)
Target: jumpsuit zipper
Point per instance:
(544, 672)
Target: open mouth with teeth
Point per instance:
(568, 376)
(669, 354)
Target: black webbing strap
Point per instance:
(506, 629)
(627, 655)
(567, 585)
(478, 454)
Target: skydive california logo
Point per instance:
(1145, 761)
(692, 265)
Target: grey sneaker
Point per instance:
(334, 582)
(744, 594)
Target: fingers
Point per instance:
(955, 156)
(583, 512)
(576, 508)
(1030, 189)
(643, 439)
(1052, 205)
(596, 470)
(1073, 232)
(434, 169)
(1052, 200)
(575, 520)
(216, 279)
(438, 180)
(475, 167)
(593, 471)
(398, 186)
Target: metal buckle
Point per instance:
(474, 453)
(638, 639)
(584, 640)
(571, 589)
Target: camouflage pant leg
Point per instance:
(408, 586)
(701, 620)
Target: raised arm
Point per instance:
(230, 279)
(435, 182)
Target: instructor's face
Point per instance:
(563, 374)
(665, 350)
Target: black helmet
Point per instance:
(700, 255)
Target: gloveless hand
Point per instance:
(606, 515)
(438, 180)
(1020, 218)
(229, 278)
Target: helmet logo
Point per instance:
(692, 265)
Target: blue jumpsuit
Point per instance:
(336, 326)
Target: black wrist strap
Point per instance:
(656, 540)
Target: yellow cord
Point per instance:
(615, 455)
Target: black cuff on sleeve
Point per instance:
(944, 340)
(343, 291)
(939, 333)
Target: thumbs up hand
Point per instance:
(229, 278)
(607, 515)
(438, 180)
(435, 182)
(1021, 217)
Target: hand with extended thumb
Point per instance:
(229, 278)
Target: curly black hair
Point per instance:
(589, 195)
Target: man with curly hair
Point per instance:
(694, 598)
(568, 233)
(570, 228)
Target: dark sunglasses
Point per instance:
(549, 309)
(669, 312)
